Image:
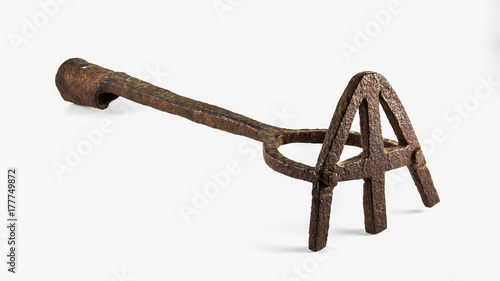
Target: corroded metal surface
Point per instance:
(364, 93)
(87, 84)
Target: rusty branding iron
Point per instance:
(87, 84)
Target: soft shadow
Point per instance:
(348, 231)
(281, 248)
(288, 249)
(407, 211)
(74, 110)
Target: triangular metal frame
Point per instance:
(364, 93)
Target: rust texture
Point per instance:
(83, 83)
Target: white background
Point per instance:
(116, 215)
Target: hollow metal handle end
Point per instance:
(81, 82)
